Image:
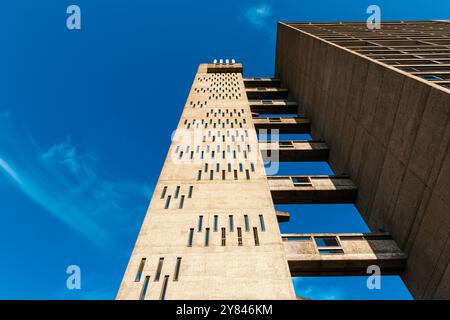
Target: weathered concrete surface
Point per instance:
(357, 252)
(311, 189)
(390, 133)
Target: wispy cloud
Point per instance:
(66, 182)
(307, 290)
(259, 16)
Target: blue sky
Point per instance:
(86, 118)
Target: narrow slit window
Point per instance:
(211, 175)
(235, 175)
(163, 193)
(144, 288)
(191, 237)
(240, 167)
(199, 175)
(206, 237)
(252, 167)
(261, 223)
(200, 223)
(176, 274)
(140, 269)
(177, 192)
(191, 188)
(167, 202)
(216, 223)
(247, 227)
(181, 202)
(231, 223)
(239, 232)
(158, 269)
(255, 235)
(223, 237)
(164, 288)
(223, 175)
(247, 174)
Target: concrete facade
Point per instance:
(381, 102)
(213, 173)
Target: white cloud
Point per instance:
(67, 184)
(259, 16)
(314, 292)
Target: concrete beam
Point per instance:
(266, 93)
(343, 254)
(262, 82)
(311, 189)
(295, 150)
(283, 216)
(284, 125)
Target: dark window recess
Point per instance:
(255, 235)
(261, 223)
(301, 181)
(140, 269)
(199, 175)
(158, 269)
(144, 288)
(231, 223)
(177, 269)
(206, 237)
(223, 237)
(239, 232)
(163, 193)
(216, 222)
(247, 174)
(181, 202)
(167, 202)
(200, 223)
(247, 226)
(191, 188)
(191, 236)
(164, 288)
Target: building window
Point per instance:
(206, 167)
(191, 188)
(255, 235)
(167, 202)
(200, 223)
(158, 269)
(144, 288)
(140, 269)
(191, 236)
(231, 223)
(247, 174)
(235, 175)
(177, 269)
(252, 167)
(247, 227)
(164, 288)
(206, 237)
(199, 175)
(239, 232)
(223, 237)
(211, 175)
(216, 222)
(326, 242)
(261, 223)
(163, 193)
(181, 202)
(223, 174)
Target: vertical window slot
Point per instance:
(200, 223)
(255, 235)
(158, 269)
(181, 202)
(231, 223)
(144, 288)
(191, 188)
(261, 223)
(177, 269)
(167, 202)
(239, 232)
(223, 237)
(140, 269)
(206, 237)
(191, 237)
(163, 193)
(247, 226)
(164, 288)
